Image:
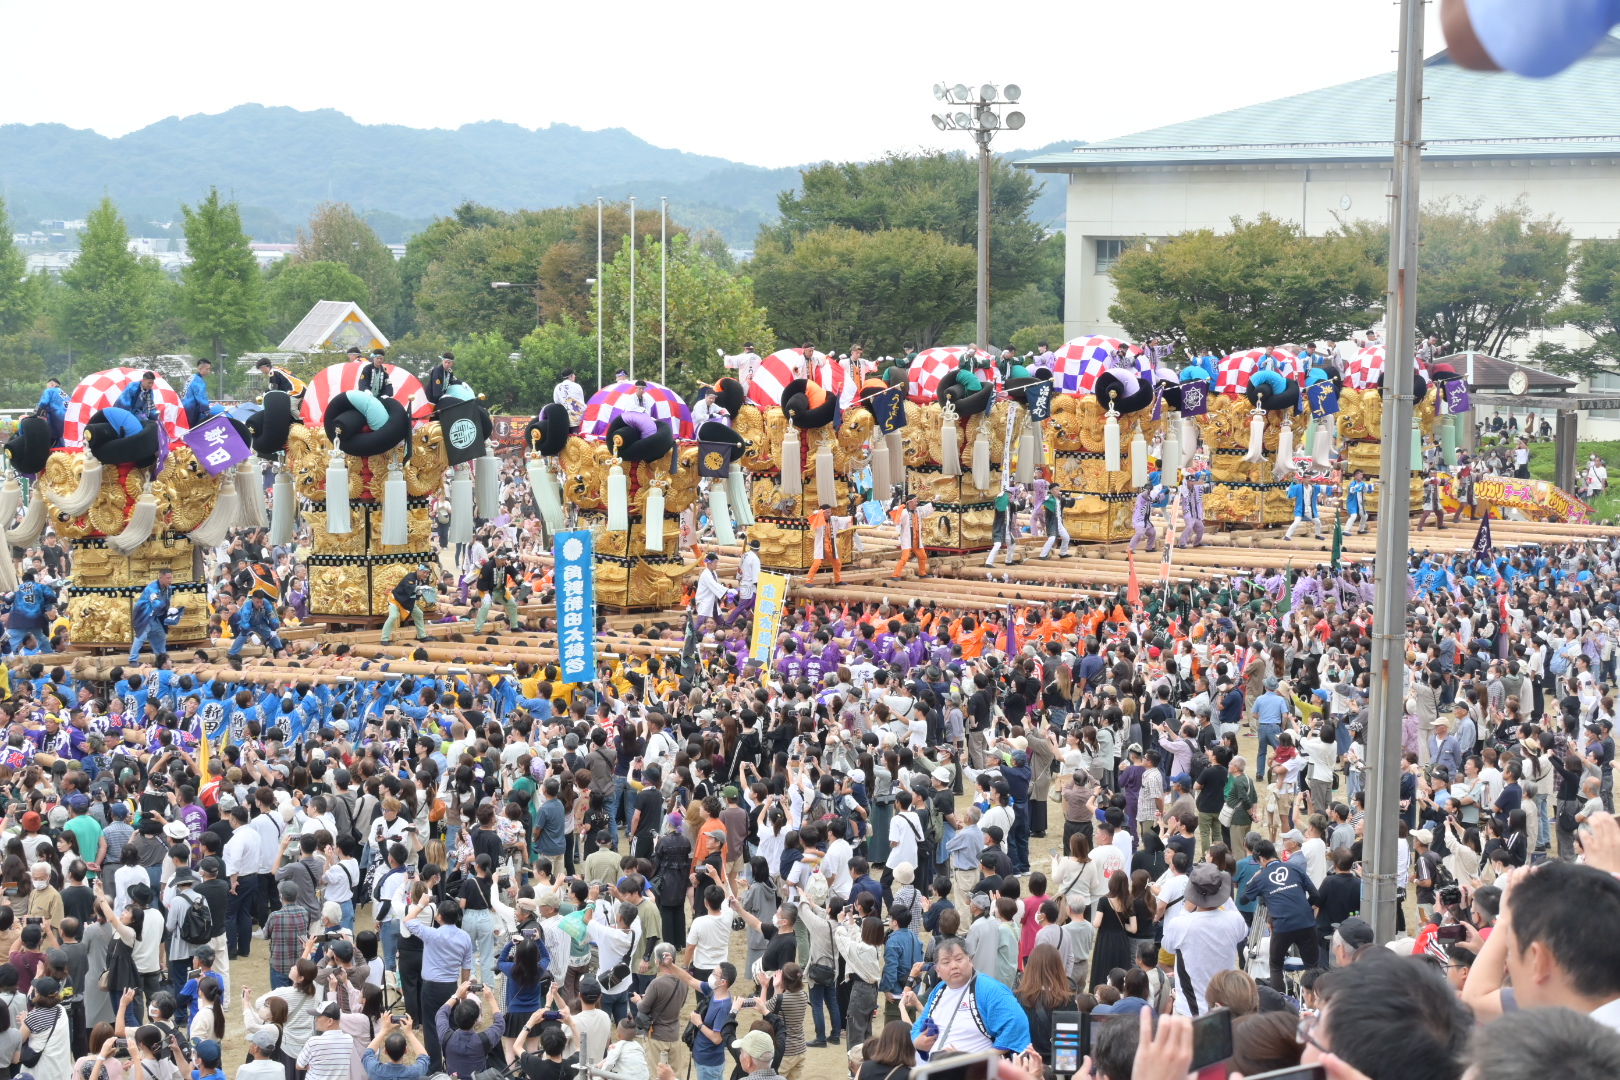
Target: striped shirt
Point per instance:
(327, 1056)
(792, 1005)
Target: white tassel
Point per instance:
(10, 500)
(652, 519)
(950, 442)
(981, 456)
(618, 508)
(1322, 446)
(1111, 442)
(720, 512)
(897, 456)
(461, 506)
(32, 526)
(1170, 453)
(792, 467)
(8, 572)
(84, 495)
(1189, 438)
(1257, 436)
(737, 495)
(489, 485)
(222, 518)
(284, 514)
(1027, 442)
(882, 483)
(338, 520)
(547, 495)
(826, 477)
(396, 525)
(141, 520)
(250, 495)
(1139, 464)
(1285, 451)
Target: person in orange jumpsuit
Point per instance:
(908, 518)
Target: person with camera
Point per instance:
(465, 1050)
(658, 1010)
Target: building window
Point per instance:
(1108, 253)
(1600, 383)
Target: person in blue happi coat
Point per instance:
(52, 408)
(140, 397)
(195, 401)
(1304, 493)
(255, 617)
(150, 618)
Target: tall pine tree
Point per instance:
(106, 307)
(222, 295)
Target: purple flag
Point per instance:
(217, 445)
(1195, 397)
(1456, 391)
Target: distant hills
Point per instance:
(279, 163)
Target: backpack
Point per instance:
(197, 928)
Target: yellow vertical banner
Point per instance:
(770, 597)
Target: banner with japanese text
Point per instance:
(576, 605)
(770, 599)
(217, 445)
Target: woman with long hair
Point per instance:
(1143, 905)
(860, 943)
(520, 963)
(362, 1018)
(1044, 990)
(273, 1014)
(761, 901)
(889, 1055)
(208, 1022)
(1115, 923)
(297, 1028)
(476, 897)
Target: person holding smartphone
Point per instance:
(967, 1012)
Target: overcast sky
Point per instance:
(769, 84)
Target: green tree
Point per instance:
(520, 381)
(106, 306)
(295, 287)
(1595, 311)
(932, 192)
(710, 310)
(22, 295)
(337, 234)
(1030, 337)
(1262, 283)
(1483, 279)
(885, 289)
(223, 298)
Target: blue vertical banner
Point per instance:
(575, 579)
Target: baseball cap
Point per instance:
(265, 1038)
(118, 810)
(77, 802)
(329, 1010)
(943, 775)
(211, 865)
(1295, 835)
(1355, 933)
(175, 830)
(343, 950)
(1422, 836)
(756, 1044)
(208, 1052)
(1183, 779)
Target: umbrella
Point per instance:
(341, 378)
(609, 402)
(101, 390)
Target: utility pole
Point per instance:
(632, 288)
(1394, 497)
(599, 292)
(982, 319)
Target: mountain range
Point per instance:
(279, 163)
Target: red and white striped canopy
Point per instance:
(834, 376)
(341, 378)
(1364, 370)
(774, 373)
(609, 402)
(101, 390)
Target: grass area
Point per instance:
(1606, 507)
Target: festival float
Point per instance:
(628, 475)
(956, 434)
(131, 499)
(1103, 422)
(803, 447)
(1361, 417)
(363, 469)
(1253, 426)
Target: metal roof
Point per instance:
(1466, 115)
(1486, 372)
(316, 328)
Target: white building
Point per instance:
(1323, 157)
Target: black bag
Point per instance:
(1567, 822)
(821, 974)
(197, 928)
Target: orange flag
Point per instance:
(1134, 592)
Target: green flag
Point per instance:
(1338, 536)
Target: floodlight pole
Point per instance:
(1394, 497)
(599, 292)
(982, 320)
(663, 288)
(632, 288)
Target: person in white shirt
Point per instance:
(710, 589)
(615, 929)
(571, 396)
(744, 364)
(835, 863)
(1315, 850)
(707, 409)
(638, 402)
(341, 877)
(709, 936)
(905, 833)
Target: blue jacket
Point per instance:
(29, 605)
(254, 617)
(1288, 893)
(138, 400)
(900, 952)
(1304, 495)
(153, 603)
(54, 400)
(195, 401)
(994, 1009)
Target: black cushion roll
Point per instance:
(730, 395)
(548, 433)
(346, 427)
(796, 406)
(30, 448)
(1286, 398)
(270, 425)
(1110, 383)
(636, 448)
(109, 448)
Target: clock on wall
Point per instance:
(1518, 382)
(1344, 202)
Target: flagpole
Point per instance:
(632, 288)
